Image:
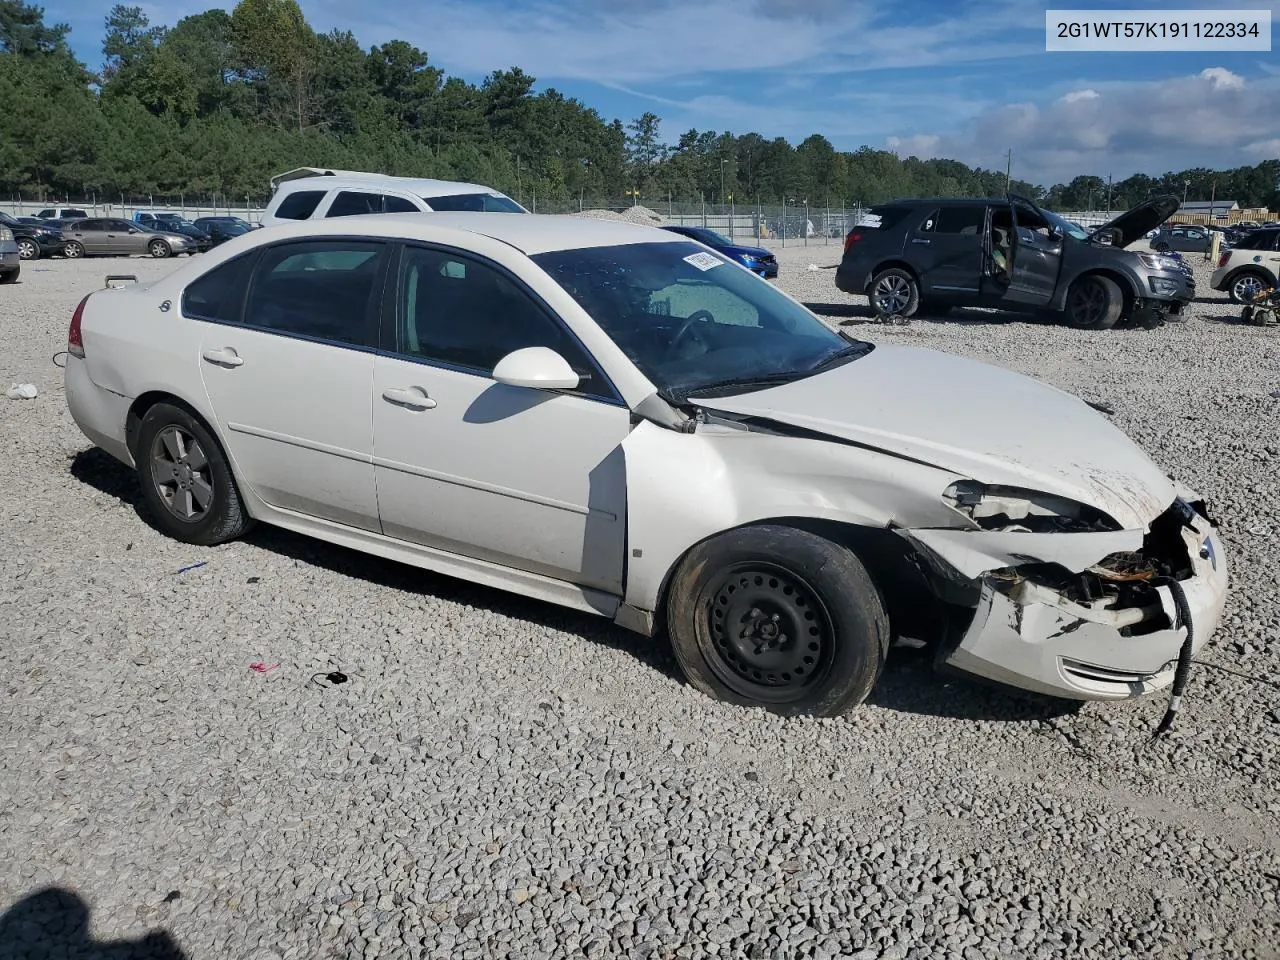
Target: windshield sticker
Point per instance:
(869, 220)
(703, 261)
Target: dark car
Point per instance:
(166, 223)
(221, 230)
(1185, 238)
(756, 259)
(1008, 253)
(35, 240)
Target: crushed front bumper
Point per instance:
(1029, 635)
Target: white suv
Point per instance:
(340, 194)
(1250, 266)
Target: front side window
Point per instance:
(300, 205)
(478, 202)
(692, 321)
(323, 289)
(466, 313)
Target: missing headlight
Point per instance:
(1016, 510)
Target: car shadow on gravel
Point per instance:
(852, 314)
(104, 473)
(53, 924)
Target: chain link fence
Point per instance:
(125, 206)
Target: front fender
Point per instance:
(685, 487)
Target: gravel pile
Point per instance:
(501, 778)
(636, 214)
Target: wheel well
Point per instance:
(145, 402)
(911, 603)
(1119, 279)
(889, 265)
(1253, 268)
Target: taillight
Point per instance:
(853, 237)
(1222, 260)
(75, 340)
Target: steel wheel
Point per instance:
(1247, 286)
(181, 474)
(28, 249)
(892, 293)
(772, 635)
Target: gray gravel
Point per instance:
(501, 778)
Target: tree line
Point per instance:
(219, 102)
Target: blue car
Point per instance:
(756, 259)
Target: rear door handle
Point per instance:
(223, 357)
(922, 240)
(412, 398)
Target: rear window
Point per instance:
(300, 205)
(478, 202)
(882, 218)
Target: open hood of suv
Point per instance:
(1136, 223)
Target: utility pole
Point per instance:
(723, 161)
(1008, 169)
(1186, 185)
(1108, 195)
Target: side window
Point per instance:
(319, 288)
(967, 219)
(93, 226)
(352, 203)
(219, 294)
(300, 205)
(399, 205)
(463, 312)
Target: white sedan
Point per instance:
(617, 419)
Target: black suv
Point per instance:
(1009, 253)
(34, 241)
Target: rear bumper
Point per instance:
(10, 260)
(100, 414)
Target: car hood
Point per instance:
(981, 421)
(1137, 223)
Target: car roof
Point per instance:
(530, 233)
(418, 187)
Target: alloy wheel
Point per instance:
(1247, 287)
(1088, 303)
(181, 473)
(892, 294)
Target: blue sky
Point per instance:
(967, 79)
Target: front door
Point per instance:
(288, 366)
(531, 479)
(1036, 259)
(946, 249)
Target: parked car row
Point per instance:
(69, 232)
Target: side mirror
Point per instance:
(538, 367)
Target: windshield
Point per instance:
(710, 237)
(1069, 228)
(693, 321)
(479, 202)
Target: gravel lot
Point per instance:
(501, 778)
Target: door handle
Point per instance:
(223, 357)
(412, 398)
(922, 240)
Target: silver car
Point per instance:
(10, 258)
(109, 237)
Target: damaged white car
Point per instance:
(614, 418)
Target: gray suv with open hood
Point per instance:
(1008, 253)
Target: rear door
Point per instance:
(92, 235)
(288, 366)
(946, 249)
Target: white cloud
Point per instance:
(1206, 119)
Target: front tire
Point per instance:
(894, 293)
(1245, 286)
(186, 480)
(1094, 303)
(159, 249)
(28, 249)
(774, 617)
(74, 250)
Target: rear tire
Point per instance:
(186, 480)
(894, 293)
(774, 617)
(1094, 303)
(1245, 286)
(73, 250)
